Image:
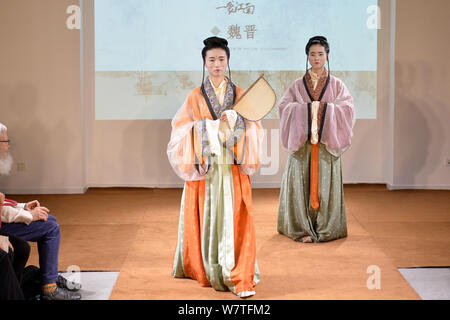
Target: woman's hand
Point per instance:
(223, 117)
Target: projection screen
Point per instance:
(148, 52)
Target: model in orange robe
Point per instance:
(216, 235)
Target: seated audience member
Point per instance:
(32, 222)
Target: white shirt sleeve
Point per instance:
(16, 214)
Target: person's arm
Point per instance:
(187, 149)
(249, 148)
(293, 111)
(242, 137)
(24, 213)
(16, 214)
(232, 127)
(338, 122)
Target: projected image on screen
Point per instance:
(148, 52)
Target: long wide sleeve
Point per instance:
(252, 149)
(186, 146)
(293, 112)
(248, 148)
(339, 121)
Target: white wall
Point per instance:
(40, 97)
(66, 150)
(422, 97)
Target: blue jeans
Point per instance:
(47, 235)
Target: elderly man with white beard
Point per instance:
(32, 222)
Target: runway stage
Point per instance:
(134, 231)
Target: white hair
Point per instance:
(6, 160)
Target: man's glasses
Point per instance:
(6, 141)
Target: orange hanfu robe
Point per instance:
(216, 234)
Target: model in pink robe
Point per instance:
(296, 218)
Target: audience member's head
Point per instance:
(6, 160)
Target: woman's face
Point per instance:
(317, 56)
(216, 62)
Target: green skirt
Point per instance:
(296, 217)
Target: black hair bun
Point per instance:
(215, 41)
(318, 40)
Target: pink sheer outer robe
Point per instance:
(338, 122)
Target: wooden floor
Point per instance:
(134, 231)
